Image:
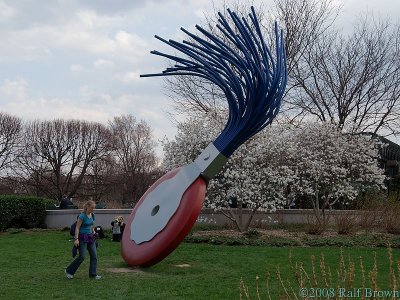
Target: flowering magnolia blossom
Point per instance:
(191, 138)
(334, 167)
(313, 161)
(252, 177)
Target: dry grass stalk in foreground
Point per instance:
(320, 278)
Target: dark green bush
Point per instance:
(22, 211)
(252, 234)
(277, 241)
(204, 227)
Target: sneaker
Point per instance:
(69, 276)
(97, 277)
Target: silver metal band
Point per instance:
(210, 161)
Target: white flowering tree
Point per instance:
(312, 161)
(333, 167)
(251, 179)
(192, 136)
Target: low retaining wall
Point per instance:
(62, 218)
(65, 217)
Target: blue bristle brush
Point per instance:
(253, 81)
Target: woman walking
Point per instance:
(85, 239)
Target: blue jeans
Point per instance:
(71, 269)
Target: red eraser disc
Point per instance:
(166, 241)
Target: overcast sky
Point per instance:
(82, 59)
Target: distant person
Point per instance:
(84, 238)
(118, 227)
(66, 202)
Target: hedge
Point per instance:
(22, 211)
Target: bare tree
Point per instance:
(100, 182)
(58, 153)
(304, 22)
(191, 95)
(351, 81)
(133, 147)
(10, 133)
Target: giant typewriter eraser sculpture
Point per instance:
(253, 80)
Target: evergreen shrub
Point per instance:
(22, 211)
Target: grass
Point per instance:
(32, 267)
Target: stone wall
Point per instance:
(65, 217)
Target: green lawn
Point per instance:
(32, 267)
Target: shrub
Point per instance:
(390, 217)
(252, 233)
(22, 211)
(371, 213)
(204, 227)
(277, 241)
(315, 225)
(345, 223)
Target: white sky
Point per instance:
(82, 58)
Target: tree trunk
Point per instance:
(240, 215)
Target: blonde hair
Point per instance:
(87, 204)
